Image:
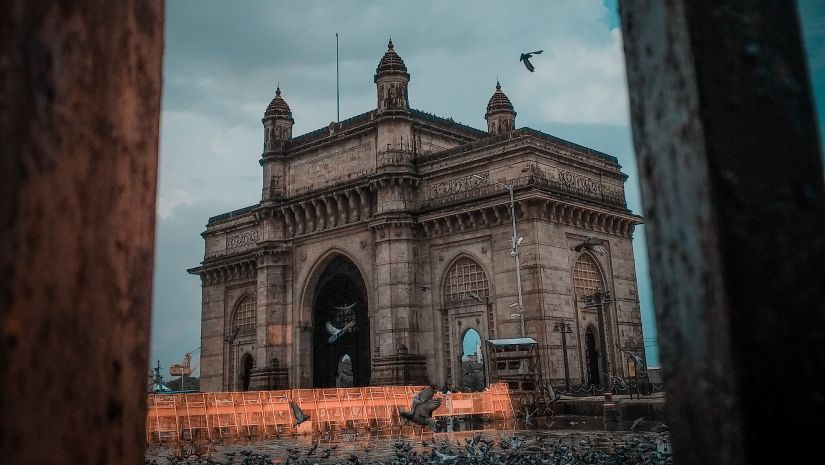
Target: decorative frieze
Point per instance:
(455, 185)
(243, 239)
(578, 181)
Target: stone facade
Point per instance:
(395, 226)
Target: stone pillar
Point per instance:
(725, 135)
(397, 360)
(80, 93)
(273, 333)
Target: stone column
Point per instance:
(397, 360)
(273, 334)
(80, 92)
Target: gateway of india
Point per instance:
(395, 227)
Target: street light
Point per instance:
(565, 328)
(515, 241)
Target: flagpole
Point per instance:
(337, 82)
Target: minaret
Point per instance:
(391, 80)
(397, 357)
(277, 123)
(500, 116)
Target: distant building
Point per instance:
(389, 224)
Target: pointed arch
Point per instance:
(464, 280)
(244, 315)
(588, 276)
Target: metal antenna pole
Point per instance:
(337, 83)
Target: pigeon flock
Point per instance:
(545, 449)
(637, 449)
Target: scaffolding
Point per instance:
(515, 362)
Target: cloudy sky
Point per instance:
(223, 61)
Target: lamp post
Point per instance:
(515, 240)
(564, 327)
(597, 300)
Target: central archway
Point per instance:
(340, 304)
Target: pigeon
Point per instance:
(636, 423)
(422, 408)
(312, 449)
(525, 58)
(592, 244)
(300, 416)
(346, 307)
(439, 457)
(231, 338)
(636, 358)
(335, 333)
(527, 415)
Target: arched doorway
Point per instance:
(341, 325)
(472, 368)
(591, 355)
(247, 364)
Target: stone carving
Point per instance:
(456, 185)
(243, 239)
(578, 181)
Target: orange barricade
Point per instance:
(260, 413)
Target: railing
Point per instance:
(261, 413)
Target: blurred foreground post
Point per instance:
(732, 183)
(80, 86)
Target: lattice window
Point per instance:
(245, 316)
(587, 278)
(466, 281)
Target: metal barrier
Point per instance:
(261, 413)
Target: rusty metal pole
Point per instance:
(80, 86)
(732, 186)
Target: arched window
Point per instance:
(466, 281)
(244, 319)
(587, 278)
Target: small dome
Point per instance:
(499, 102)
(278, 107)
(391, 63)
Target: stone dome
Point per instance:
(499, 102)
(278, 107)
(391, 63)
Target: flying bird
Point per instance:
(638, 360)
(300, 416)
(636, 423)
(346, 307)
(525, 58)
(592, 244)
(422, 408)
(335, 333)
(437, 456)
(231, 338)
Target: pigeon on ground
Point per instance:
(422, 408)
(312, 449)
(335, 333)
(525, 58)
(300, 416)
(592, 244)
